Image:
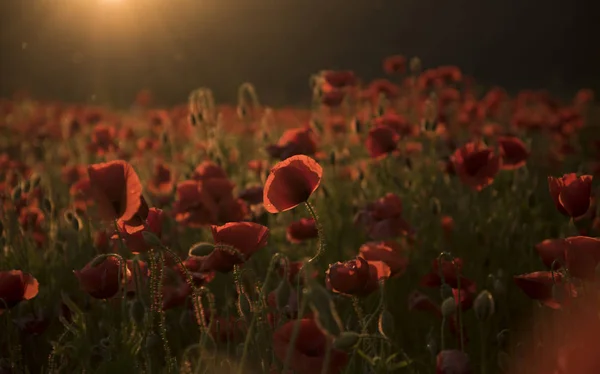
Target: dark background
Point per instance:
(74, 50)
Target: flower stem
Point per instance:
(321, 248)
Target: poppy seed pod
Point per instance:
(484, 305)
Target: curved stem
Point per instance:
(321, 248)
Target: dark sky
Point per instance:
(73, 49)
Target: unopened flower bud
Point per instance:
(385, 324)
(415, 65)
(484, 306)
(201, 249)
(446, 291)
(346, 341)
(448, 307)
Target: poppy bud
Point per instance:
(448, 307)
(436, 206)
(326, 315)
(137, 311)
(192, 119)
(48, 206)
(385, 324)
(282, 294)
(151, 239)
(484, 306)
(346, 341)
(201, 249)
(332, 157)
(26, 186)
(499, 286)
(16, 194)
(415, 65)
(76, 223)
(432, 345)
(69, 216)
(35, 180)
(244, 306)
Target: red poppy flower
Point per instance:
(293, 142)
(16, 286)
(290, 183)
(582, 256)
(449, 270)
(423, 303)
(395, 64)
(389, 252)
(354, 277)
(235, 242)
(513, 151)
(175, 293)
(333, 98)
(73, 173)
(383, 218)
(476, 165)
(339, 79)
(161, 182)
(101, 281)
(552, 252)
(134, 240)
(309, 349)
(571, 194)
(116, 189)
(302, 230)
(193, 206)
(452, 361)
(381, 140)
(397, 122)
(252, 195)
(447, 226)
(208, 170)
(103, 140)
(538, 286)
(383, 87)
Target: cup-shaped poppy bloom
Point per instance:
(571, 194)
(101, 281)
(452, 361)
(539, 286)
(349, 277)
(356, 277)
(476, 165)
(134, 241)
(293, 142)
(395, 64)
(193, 206)
(235, 242)
(103, 140)
(252, 195)
(383, 218)
(116, 189)
(291, 183)
(16, 286)
(582, 256)
(339, 78)
(162, 179)
(208, 170)
(309, 350)
(397, 122)
(389, 252)
(299, 231)
(552, 252)
(381, 140)
(513, 151)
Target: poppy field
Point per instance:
(418, 223)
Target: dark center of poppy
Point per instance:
(476, 161)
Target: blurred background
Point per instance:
(106, 50)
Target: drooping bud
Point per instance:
(484, 306)
(448, 307)
(201, 249)
(346, 341)
(385, 325)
